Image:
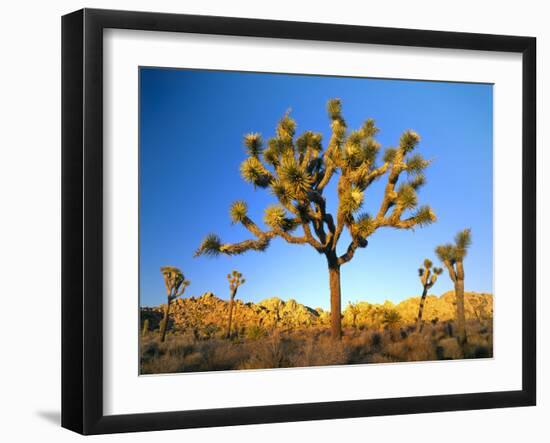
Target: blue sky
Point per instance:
(191, 129)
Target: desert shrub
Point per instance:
(311, 346)
(211, 330)
(391, 318)
(267, 354)
(376, 340)
(381, 358)
(255, 332)
(150, 350)
(448, 349)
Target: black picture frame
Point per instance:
(82, 220)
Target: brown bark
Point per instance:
(460, 317)
(228, 334)
(419, 322)
(335, 299)
(459, 294)
(164, 324)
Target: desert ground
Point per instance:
(281, 334)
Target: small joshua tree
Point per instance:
(428, 277)
(235, 280)
(296, 170)
(145, 329)
(452, 256)
(391, 318)
(175, 283)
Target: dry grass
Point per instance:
(258, 348)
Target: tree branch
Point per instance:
(311, 240)
(356, 243)
(238, 248)
(292, 239)
(252, 227)
(451, 270)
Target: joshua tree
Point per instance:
(145, 329)
(297, 171)
(175, 286)
(235, 280)
(428, 277)
(452, 256)
(391, 318)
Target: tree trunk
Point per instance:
(228, 334)
(419, 322)
(460, 317)
(335, 301)
(164, 324)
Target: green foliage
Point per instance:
(253, 144)
(416, 164)
(409, 140)
(365, 225)
(418, 181)
(452, 253)
(463, 241)
(253, 171)
(296, 178)
(309, 139)
(369, 128)
(282, 192)
(210, 246)
(296, 171)
(286, 129)
(406, 196)
(299, 171)
(174, 280)
(255, 332)
(235, 280)
(445, 253)
(351, 200)
(389, 155)
(238, 211)
(275, 216)
(424, 216)
(391, 318)
(334, 108)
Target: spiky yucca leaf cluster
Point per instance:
(235, 279)
(253, 143)
(452, 253)
(365, 225)
(295, 177)
(253, 171)
(423, 216)
(275, 216)
(463, 241)
(210, 246)
(238, 211)
(174, 280)
(296, 169)
(409, 140)
(428, 274)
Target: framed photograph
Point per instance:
(269, 221)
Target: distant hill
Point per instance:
(210, 313)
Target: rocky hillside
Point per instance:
(208, 314)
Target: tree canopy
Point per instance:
(297, 170)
